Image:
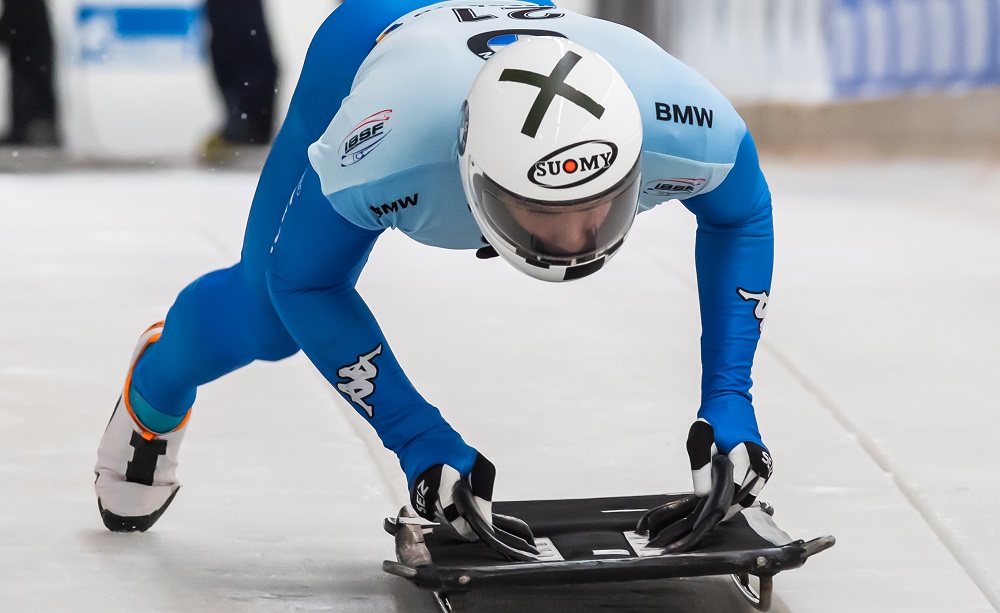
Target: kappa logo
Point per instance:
(360, 382)
(673, 187)
(760, 298)
(574, 165)
(365, 136)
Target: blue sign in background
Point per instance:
(148, 35)
(887, 47)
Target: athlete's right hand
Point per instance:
(724, 485)
(442, 494)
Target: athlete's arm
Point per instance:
(734, 257)
(314, 266)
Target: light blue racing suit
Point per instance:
(370, 144)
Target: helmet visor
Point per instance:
(560, 232)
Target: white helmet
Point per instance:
(549, 154)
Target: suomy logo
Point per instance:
(574, 165)
(365, 136)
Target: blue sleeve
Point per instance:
(734, 258)
(315, 263)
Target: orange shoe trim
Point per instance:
(146, 432)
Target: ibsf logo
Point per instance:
(673, 187)
(574, 165)
(363, 139)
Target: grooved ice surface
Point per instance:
(879, 355)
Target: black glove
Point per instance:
(442, 495)
(723, 486)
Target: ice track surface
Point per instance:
(874, 387)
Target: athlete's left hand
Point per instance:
(724, 485)
(465, 502)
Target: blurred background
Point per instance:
(879, 127)
(882, 77)
(139, 81)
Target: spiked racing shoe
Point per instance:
(136, 467)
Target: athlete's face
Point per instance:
(578, 230)
(563, 231)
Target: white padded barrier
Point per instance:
(133, 76)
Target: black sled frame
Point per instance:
(592, 541)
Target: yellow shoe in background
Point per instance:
(218, 152)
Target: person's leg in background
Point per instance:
(245, 71)
(27, 33)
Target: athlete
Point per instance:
(515, 129)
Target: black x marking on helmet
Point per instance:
(550, 87)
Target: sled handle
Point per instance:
(818, 544)
(410, 547)
(508, 545)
